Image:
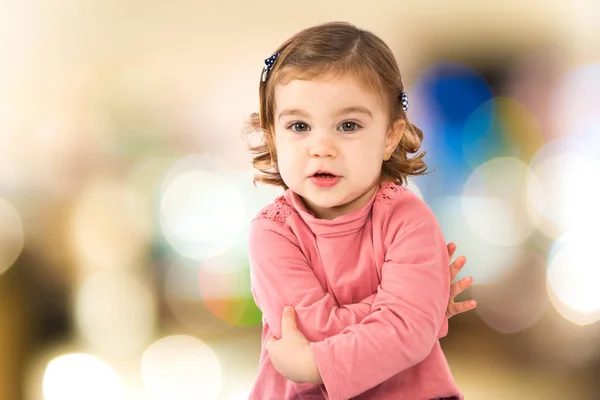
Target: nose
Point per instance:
(322, 145)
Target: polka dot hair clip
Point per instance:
(404, 101)
(269, 62)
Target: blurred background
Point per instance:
(126, 189)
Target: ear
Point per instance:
(394, 136)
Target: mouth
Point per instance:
(323, 174)
(324, 179)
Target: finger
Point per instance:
(459, 308)
(451, 250)
(288, 322)
(456, 267)
(457, 287)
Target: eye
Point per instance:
(299, 127)
(349, 126)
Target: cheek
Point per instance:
(369, 160)
(370, 153)
(285, 160)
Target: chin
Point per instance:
(328, 200)
(328, 204)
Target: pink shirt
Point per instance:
(370, 290)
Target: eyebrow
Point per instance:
(347, 110)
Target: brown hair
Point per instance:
(336, 48)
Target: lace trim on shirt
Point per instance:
(389, 192)
(278, 211)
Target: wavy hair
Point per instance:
(336, 48)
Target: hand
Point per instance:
(457, 287)
(291, 355)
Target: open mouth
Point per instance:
(324, 179)
(324, 175)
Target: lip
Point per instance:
(322, 171)
(325, 182)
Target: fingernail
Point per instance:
(287, 309)
(472, 303)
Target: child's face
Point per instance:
(333, 125)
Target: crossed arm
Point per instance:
(285, 278)
(318, 314)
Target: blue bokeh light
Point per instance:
(450, 93)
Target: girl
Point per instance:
(360, 258)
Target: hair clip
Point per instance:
(269, 65)
(404, 101)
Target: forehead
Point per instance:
(325, 93)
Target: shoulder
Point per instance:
(278, 211)
(410, 228)
(270, 232)
(401, 206)
(395, 196)
(389, 193)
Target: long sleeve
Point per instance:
(280, 275)
(408, 310)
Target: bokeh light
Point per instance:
(573, 276)
(205, 295)
(226, 293)
(11, 235)
(453, 91)
(501, 127)
(202, 214)
(181, 367)
(108, 228)
(183, 298)
(255, 198)
(494, 201)
(563, 193)
(81, 376)
(518, 299)
(446, 95)
(486, 261)
(115, 312)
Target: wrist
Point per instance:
(310, 367)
